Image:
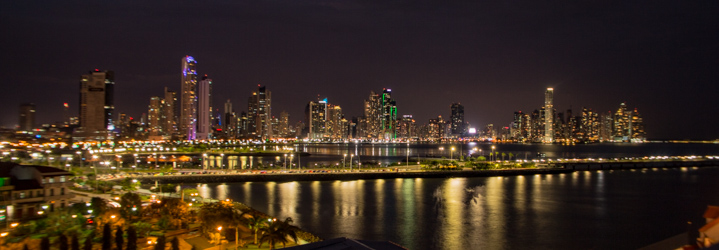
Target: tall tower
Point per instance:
(457, 119)
(169, 111)
(96, 101)
(154, 114)
(316, 113)
(284, 125)
(204, 109)
(260, 113)
(27, 116)
(388, 121)
(549, 115)
(188, 98)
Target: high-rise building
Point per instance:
(621, 124)
(260, 114)
(169, 112)
(372, 116)
(228, 114)
(549, 115)
(188, 98)
(457, 120)
(389, 115)
(284, 125)
(437, 128)
(204, 109)
(27, 116)
(154, 113)
(336, 123)
(407, 127)
(316, 113)
(636, 127)
(96, 102)
(605, 132)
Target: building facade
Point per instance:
(188, 98)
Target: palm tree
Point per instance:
(278, 231)
(255, 224)
(503, 154)
(510, 156)
(238, 217)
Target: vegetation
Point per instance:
(278, 232)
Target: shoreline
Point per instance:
(225, 178)
(289, 177)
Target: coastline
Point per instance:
(289, 177)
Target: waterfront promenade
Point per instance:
(392, 173)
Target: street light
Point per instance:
(219, 231)
(407, 154)
(352, 155)
(285, 166)
(450, 153)
(344, 161)
(493, 152)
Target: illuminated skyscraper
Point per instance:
(407, 127)
(371, 127)
(549, 115)
(260, 113)
(316, 113)
(284, 125)
(621, 124)
(169, 112)
(188, 98)
(154, 114)
(27, 116)
(96, 102)
(636, 127)
(457, 120)
(204, 109)
(388, 120)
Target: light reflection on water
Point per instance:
(579, 210)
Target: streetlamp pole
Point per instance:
(351, 155)
(495, 157)
(284, 167)
(451, 150)
(344, 161)
(407, 154)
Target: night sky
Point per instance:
(661, 57)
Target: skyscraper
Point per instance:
(389, 115)
(154, 114)
(188, 98)
(316, 113)
(27, 116)
(621, 124)
(96, 101)
(227, 116)
(371, 127)
(636, 127)
(284, 125)
(204, 109)
(457, 120)
(549, 115)
(407, 127)
(169, 110)
(260, 114)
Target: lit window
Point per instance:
(52, 180)
(62, 178)
(22, 195)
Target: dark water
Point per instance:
(584, 210)
(333, 154)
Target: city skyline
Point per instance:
(431, 55)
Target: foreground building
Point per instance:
(27, 191)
